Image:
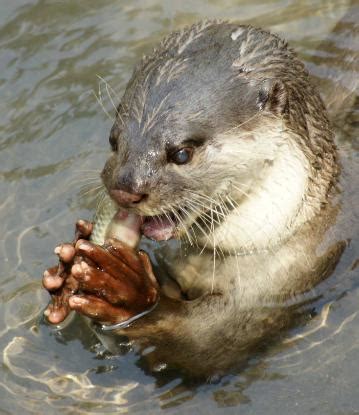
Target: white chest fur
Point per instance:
(271, 209)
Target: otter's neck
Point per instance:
(273, 209)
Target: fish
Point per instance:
(110, 221)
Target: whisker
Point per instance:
(99, 100)
(241, 124)
(108, 89)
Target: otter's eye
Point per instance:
(182, 156)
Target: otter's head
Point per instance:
(200, 121)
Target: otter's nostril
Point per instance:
(141, 199)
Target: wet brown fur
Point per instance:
(212, 329)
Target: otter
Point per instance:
(220, 141)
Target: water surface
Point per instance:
(54, 133)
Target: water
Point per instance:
(52, 126)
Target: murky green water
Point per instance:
(52, 128)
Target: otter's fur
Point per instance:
(254, 202)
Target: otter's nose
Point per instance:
(126, 199)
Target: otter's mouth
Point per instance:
(160, 227)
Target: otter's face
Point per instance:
(180, 169)
(190, 133)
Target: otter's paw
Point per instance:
(116, 282)
(58, 280)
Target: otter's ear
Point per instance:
(272, 96)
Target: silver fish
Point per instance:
(112, 222)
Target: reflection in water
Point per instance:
(53, 128)
(51, 380)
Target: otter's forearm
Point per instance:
(202, 337)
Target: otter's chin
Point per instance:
(158, 228)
